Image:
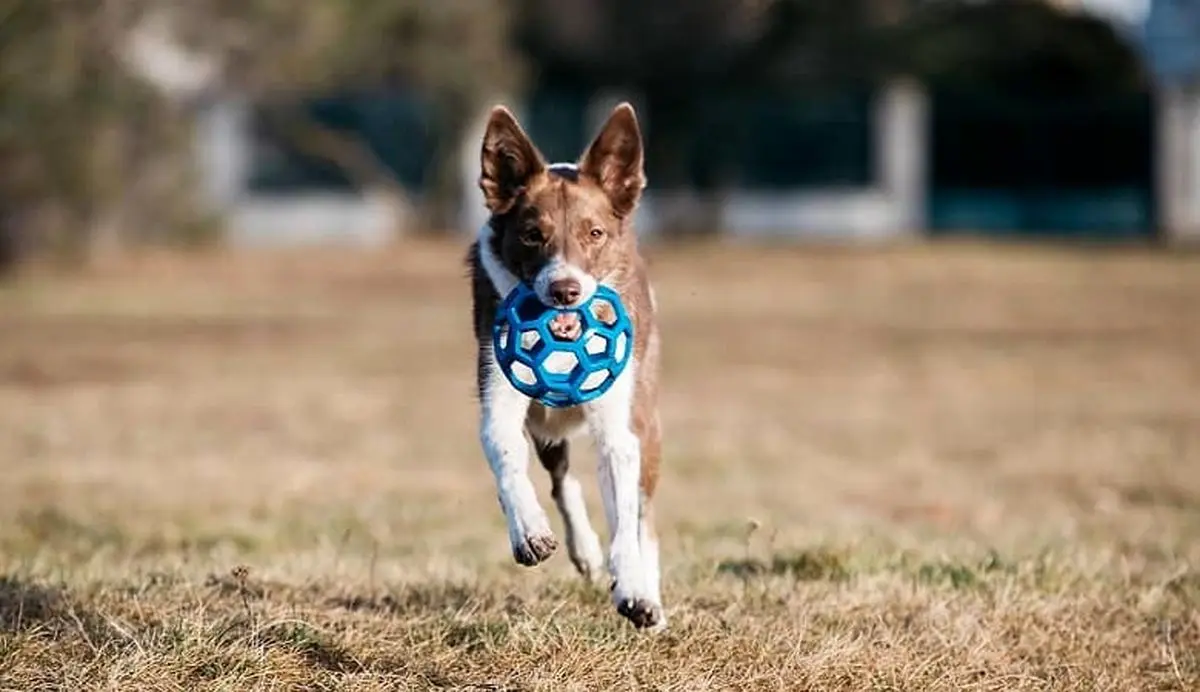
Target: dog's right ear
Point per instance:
(507, 162)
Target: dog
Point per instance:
(563, 229)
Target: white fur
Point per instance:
(502, 434)
(556, 270)
(502, 279)
(582, 541)
(649, 546)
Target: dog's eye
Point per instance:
(531, 235)
(596, 233)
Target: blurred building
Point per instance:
(1041, 147)
(1170, 40)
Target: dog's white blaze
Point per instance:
(502, 279)
(556, 270)
(502, 435)
(609, 421)
(581, 537)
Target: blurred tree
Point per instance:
(456, 53)
(1023, 49)
(96, 97)
(76, 130)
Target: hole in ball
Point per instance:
(530, 308)
(603, 311)
(529, 339)
(594, 380)
(523, 373)
(596, 345)
(560, 362)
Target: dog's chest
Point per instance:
(554, 423)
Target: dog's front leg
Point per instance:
(609, 420)
(502, 434)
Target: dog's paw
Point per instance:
(591, 570)
(584, 549)
(644, 614)
(534, 548)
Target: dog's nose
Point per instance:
(565, 291)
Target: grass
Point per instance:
(949, 467)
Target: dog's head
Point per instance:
(563, 228)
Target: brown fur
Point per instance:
(537, 213)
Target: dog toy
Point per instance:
(562, 356)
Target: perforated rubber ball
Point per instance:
(559, 372)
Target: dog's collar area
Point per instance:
(566, 171)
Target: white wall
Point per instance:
(1179, 162)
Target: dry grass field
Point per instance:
(949, 467)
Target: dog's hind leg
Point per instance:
(583, 545)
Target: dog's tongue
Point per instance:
(566, 326)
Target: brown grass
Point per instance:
(970, 468)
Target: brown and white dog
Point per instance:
(563, 229)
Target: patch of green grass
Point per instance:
(816, 565)
(959, 574)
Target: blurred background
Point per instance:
(356, 122)
(236, 374)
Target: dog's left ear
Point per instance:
(615, 160)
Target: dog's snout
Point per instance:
(565, 291)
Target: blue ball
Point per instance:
(553, 371)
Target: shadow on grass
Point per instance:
(25, 606)
(813, 565)
(831, 566)
(456, 598)
(312, 646)
(30, 608)
(422, 598)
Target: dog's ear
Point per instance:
(507, 162)
(614, 160)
